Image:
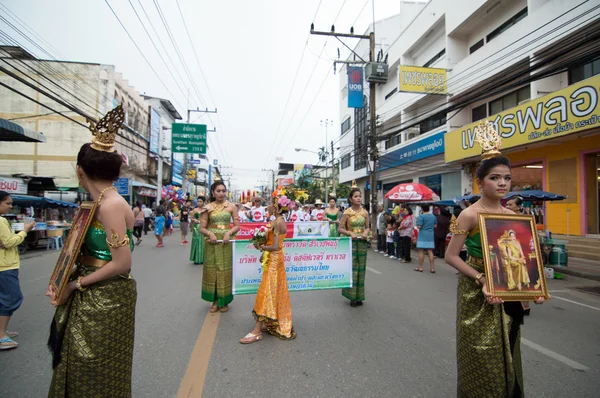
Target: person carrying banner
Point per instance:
(197, 249)
(218, 260)
(333, 215)
(355, 224)
(272, 309)
(92, 332)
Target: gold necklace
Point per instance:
(112, 187)
(488, 210)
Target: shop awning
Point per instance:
(142, 184)
(38, 183)
(10, 131)
(535, 195)
(35, 201)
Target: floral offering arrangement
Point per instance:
(259, 236)
(284, 202)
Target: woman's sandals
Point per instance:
(251, 338)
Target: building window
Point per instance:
(393, 141)
(361, 131)
(432, 122)
(391, 93)
(345, 161)
(584, 71)
(433, 182)
(510, 100)
(435, 58)
(346, 125)
(507, 25)
(478, 113)
(476, 46)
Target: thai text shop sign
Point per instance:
(316, 264)
(415, 79)
(422, 149)
(188, 138)
(13, 185)
(561, 113)
(355, 87)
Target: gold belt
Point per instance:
(358, 231)
(214, 226)
(475, 260)
(90, 261)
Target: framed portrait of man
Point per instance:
(68, 256)
(511, 252)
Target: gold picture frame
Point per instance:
(65, 265)
(511, 253)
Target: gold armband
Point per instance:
(455, 231)
(115, 240)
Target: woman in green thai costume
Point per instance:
(197, 250)
(218, 258)
(333, 215)
(92, 332)
(355, 224)
(488, 332)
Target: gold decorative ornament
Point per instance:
(106, 129)
(79, 286)
(115, 241)
(488, 139)
(111, 188)
(354, 184)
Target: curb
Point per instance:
(572, 272)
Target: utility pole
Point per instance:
(372, 126)
(326, 123)
(184, 181)
(333, 171)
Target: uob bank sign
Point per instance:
(355, 87)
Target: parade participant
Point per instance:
(159, 222)
(295, 213)
(355, 224)
(138, 214)
(10, 291)
(488, 336)
(197, 249)
(242, 209)
(333, 214)
(92, 332)
(218, 259)
(306, 213)
(258, 212)
(184, 221)
(318, 213)
(272, 310)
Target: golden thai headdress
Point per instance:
(354, 184)
(488, 139)
(106, 129)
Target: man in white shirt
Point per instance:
(318, 214)
(242, 209)
(147, 217)
(296, 213)
(258, 212)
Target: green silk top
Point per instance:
(332, 217)
(95, 244)
(473, 243)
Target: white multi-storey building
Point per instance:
(526, 65)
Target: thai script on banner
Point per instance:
(315, 264)
(299, 229)
(563, 112)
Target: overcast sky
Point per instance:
(249, 52)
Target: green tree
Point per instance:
(342, 191)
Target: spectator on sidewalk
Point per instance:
(389, 240)
(10, 291)
(426, 224)
(406, 233)
(441, 231)
(381, 225)
(184, 221)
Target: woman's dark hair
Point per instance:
(202, 198)
(332, 198)
(99, 165)
(213, 187)
(518, 201)
(445, 212)
(425, 208)
(138, 204)
(352, 192)
(4, 195)
(473, 199)
(487, 165)
(161, 202)
(409, 210)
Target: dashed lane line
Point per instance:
(554, 355)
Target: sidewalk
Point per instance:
(580, 267)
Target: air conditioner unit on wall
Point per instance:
(376, 72)
(412, 133)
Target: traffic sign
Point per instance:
(122, 185)
(188, 138)
(194, 161)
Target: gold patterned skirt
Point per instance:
(92, 339)
(273, 300)
(217, 271)
(487, 343)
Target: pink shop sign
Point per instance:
(13, 185)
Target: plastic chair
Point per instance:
(54, 242)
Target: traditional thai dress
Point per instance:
(488, 336)
(272, 300)
(92, 334)
(197, 250)
(333, 226)
(356, 223)
(218, 259)
(516, 271)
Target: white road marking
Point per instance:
(557, 291)
(542, 350)
(373, 270)
(575, 302)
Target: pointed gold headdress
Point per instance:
(489, 140)
(106, 129)
(354, 184)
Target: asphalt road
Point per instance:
(401, 343)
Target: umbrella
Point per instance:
(466, 197)
(446, 203)
(534, 195)
(411, 192)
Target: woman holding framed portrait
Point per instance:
(488, 329)
(92, 333)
